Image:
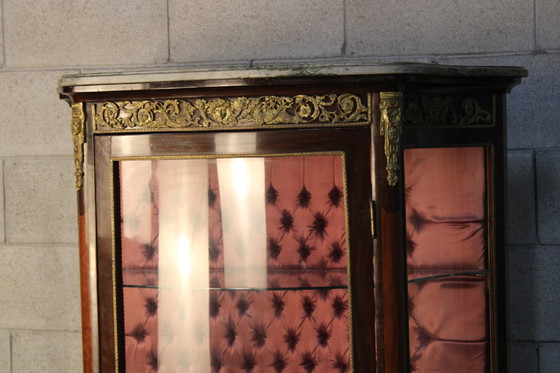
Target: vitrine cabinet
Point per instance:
(292, 219)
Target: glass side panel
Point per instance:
(447, 324)
(447, 256)
(235, 264)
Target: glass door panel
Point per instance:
(234, 263)
(447, 259)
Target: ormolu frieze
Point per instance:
(237, 112)
(439, 110)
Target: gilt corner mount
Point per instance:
(78, 127)
(390, 106)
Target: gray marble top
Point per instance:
(232, 73)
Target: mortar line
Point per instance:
(4, 216)
(45, 330)
(344, 26)
(535, 26)
(3, 34)
(11, 352)
(536, 198)
(168, 34)
(538, 357)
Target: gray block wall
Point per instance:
(43, 39)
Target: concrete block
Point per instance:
(548, 196)
(40, 200)
(548, 32)
(549, 357)
(39, 288)
(5, 351)
(523, 357)
(203, 30)
(521, 198)
(534, 281)
(34, 120)
(400, 28)
(533, 112)
(54, 33)
(533, 106)
(46, 352)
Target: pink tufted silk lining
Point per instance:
(447, 244)
(235, 265)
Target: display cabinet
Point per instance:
(292, 219)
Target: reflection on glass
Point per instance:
(183, 226)
(235, 264)
(243, 201)
(447, 249)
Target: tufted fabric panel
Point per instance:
(447, 244)
(291, 312)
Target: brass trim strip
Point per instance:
(390, 106)
(114, 263)
(233, 113)
(78, 129)
(373, 218)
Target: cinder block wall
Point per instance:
(43, 39)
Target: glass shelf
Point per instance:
(302, 288)
(277, 280)
(441, 274)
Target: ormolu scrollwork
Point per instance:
(435, 110)
(77, 127)
(390, 106)
(332, 109)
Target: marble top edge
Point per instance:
(279, 71)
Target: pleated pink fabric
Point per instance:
(446, 226)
